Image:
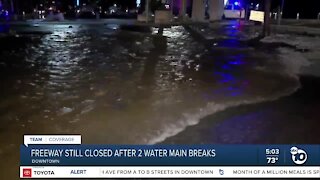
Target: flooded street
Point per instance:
(116, 86)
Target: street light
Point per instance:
(282, 5)
(280, 12)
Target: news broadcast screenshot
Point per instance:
(159, 89)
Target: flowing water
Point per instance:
(116, 86)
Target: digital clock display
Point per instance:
(272, 151)
(272, 155)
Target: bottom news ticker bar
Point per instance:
(169, 172)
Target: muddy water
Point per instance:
(124, 87)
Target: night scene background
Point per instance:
(117, 73)
(307, 9)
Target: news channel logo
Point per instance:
(299, 156)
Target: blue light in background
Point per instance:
(236, 60)
(78, 2)
(225, 67)
(4, 28)
(225, 77)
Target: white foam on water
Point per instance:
(292, 62)
(211, 108)
(301, 42)
(65, 110)
(310, 47)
